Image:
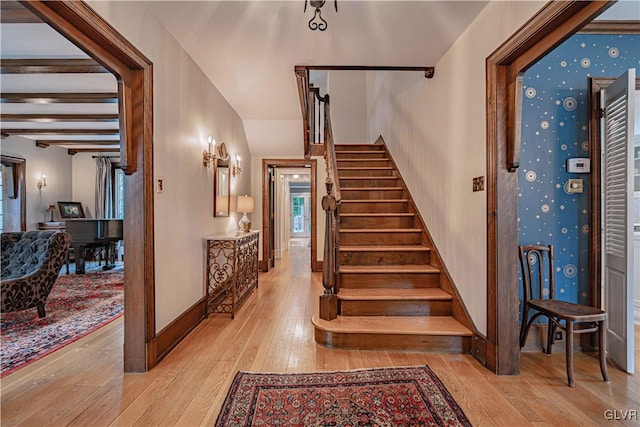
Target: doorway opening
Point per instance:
(289, 210)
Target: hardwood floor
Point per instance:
(83, 384)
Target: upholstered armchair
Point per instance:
(30, 263)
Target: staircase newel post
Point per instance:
(329, 301)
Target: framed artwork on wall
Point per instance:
(70, 210)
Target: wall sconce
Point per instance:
(42, 182)
(208, 156)
(237, 168)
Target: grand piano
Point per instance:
(93, 233)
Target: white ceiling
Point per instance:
(248, 49)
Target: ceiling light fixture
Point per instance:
(317, 22)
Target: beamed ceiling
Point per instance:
(52, 93)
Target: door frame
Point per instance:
(80, 24)
(18, 172)
(266, 229)
(553, 24)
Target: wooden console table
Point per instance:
(232, 270)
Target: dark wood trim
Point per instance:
(289, 163)
(302, 80)
(47, 118)
(48, 66)
(479, 348)
(74, 151)
(554, 23)
(429, 72)
(174, 332)
(18, 170)
(46, 142)
(59, 98)
(611, 27)
(86, 29)
(54, 131)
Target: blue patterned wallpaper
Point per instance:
(555, 128)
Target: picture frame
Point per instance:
(69, 210)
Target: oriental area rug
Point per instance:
(77, 305)
(406, 396)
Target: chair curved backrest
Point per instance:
(31, 262)
(533, 279)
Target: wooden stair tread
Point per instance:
(379, 159)
(392, 294)
(351, 168)
(376, 201)
(391, 269)
(401, 248)
(379, 214)
(342, 189)
(397, 325)
(368, 178)
(380, 230)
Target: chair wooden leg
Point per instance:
(569, 339)
(523, 326)
(550, 331)
(602, 330)
(41, 312)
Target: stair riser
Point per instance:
(361, 183)
(425, 343)
(364, 155)
(375, 207)
(363, 164)
(383, 258)
(359, 147)
(394, 308)
(346, 173)
(379, 239)
(376, 222)
(383, 280)
(365, 194)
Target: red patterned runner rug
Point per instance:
(406, 396)
(77, 305)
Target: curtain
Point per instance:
(104, 188)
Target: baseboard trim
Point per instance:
(479, 348)
(176, 331)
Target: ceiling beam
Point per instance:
(47, 142)
(39, 66)
(73, 151)
(12, 12)
(41, 131)
(49, 118)
(59, 98)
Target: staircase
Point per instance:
(392, 292)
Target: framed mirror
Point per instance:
(222, 184)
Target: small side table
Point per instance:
(232, 270)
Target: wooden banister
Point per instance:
(302, 77)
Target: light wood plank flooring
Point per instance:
(83, 384)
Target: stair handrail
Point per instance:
(302, 77)
(331, 206)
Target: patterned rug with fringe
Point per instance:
(406, 396)
(77, 305)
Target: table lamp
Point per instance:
(245, 205)
(50, 209)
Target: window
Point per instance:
(119, 193)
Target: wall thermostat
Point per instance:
(579, 165)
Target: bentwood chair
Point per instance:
(571, 318)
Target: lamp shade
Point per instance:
(245, 204)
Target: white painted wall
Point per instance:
(348, 98)
(84, 181)
(55, 163)
(436, 132)
(187, 108)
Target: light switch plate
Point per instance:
(159, 185)
(575, 186)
